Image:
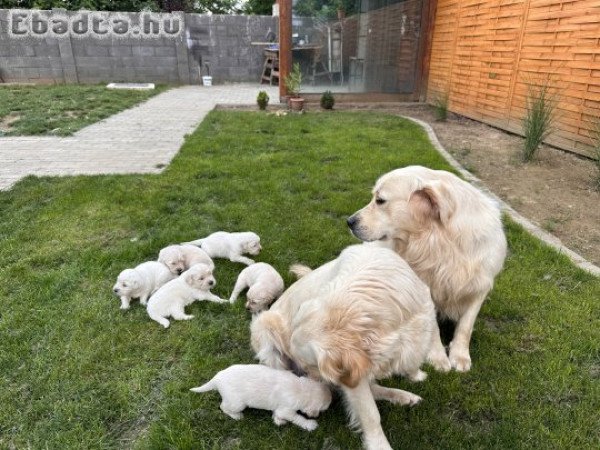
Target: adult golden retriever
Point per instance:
(361, 317)
(450, 234)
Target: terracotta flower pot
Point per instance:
(296, 103)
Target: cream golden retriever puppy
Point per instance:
(170, 300)
(141, 282)
(450, 234)
(179, 258)
(255, 386)
(361, 317)
(231, 246)
(264, 286)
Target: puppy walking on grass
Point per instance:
(141, 282)
(231, 246)
(171, 299)
(264, 283)
(257, 386)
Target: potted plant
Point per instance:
(207, 79)
(262, 100)
(327, 100)
(293, 81)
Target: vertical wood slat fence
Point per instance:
(485, 54)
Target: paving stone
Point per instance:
(133, 141)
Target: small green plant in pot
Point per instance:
(327, 100)
(293, 82)
(262, 100)
(538, 120)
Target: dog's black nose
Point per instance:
(115, 290)
(179, 271)
(211, 283)
(351, 221)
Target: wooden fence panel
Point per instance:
(485, 54)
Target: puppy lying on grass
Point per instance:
(230, 246)
(179, 258)
(141, 282)
(264, 283)
(171, 299)
(262, 387)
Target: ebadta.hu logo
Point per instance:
(35, 23)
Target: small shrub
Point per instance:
(537, 123)
(327, 100)
(262, 100)
(293, 81)
(440, 107)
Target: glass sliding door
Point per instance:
(357, 46)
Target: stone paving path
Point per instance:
(142, 139)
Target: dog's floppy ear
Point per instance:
(188, 276)
(270, 339)
(341, 364)
(134, 280)
(432, 202)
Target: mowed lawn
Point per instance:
(63, 109)
(76, 372)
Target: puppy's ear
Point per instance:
(188, 277)
(343, 364)
(432, 202)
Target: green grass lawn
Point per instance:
(76, 372)
(61, 110)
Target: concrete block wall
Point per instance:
(217, 44)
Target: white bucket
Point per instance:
(207, 80)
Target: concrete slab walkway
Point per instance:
(142, 139)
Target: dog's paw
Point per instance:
(413, 399)
(460, 358)
(124, 307)
(310, 425)
(460, 363)
(400, 397)
(312, 414)
(418, 376)
(439, 361)
(279, 421)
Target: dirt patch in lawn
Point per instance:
(6, 122)
(556, 191)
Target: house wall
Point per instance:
(222, 42)
(486, 53)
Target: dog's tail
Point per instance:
(300, 270)
(197, 243)
(210, 386)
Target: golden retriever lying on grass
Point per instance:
(361, 317)
(450, 234)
